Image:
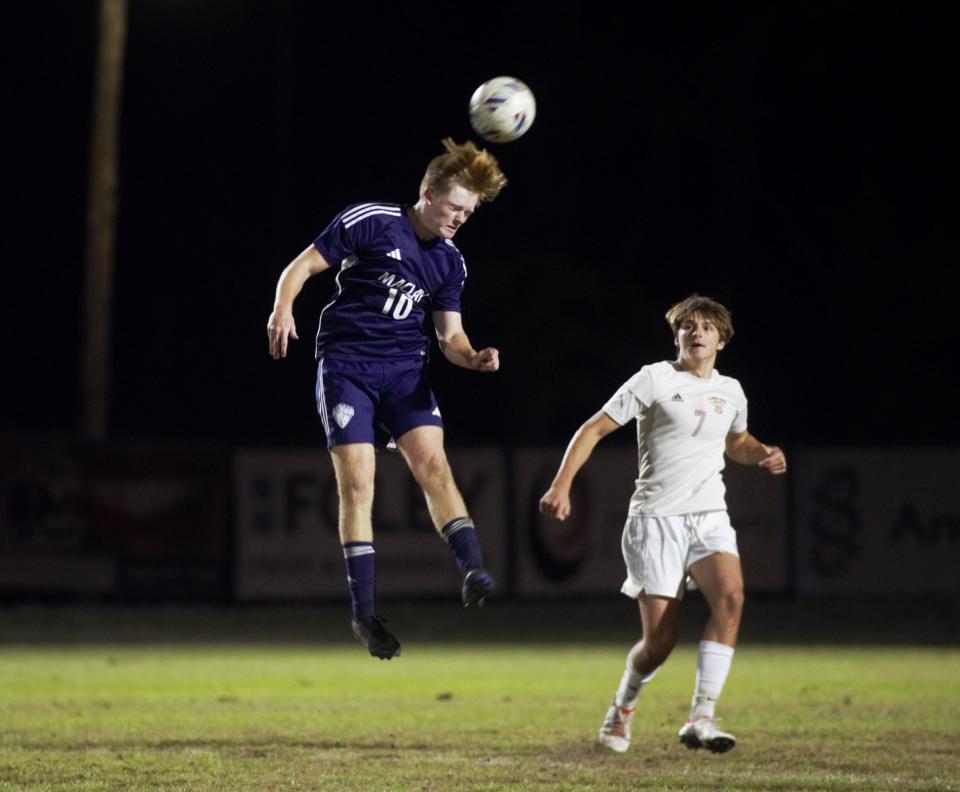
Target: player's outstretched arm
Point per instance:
(744, 448)
(456, 346)
(280, 325)
(556, 500)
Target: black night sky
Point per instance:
(794, 160)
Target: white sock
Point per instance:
(713, 665)
(631, 683)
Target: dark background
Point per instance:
(795, 161)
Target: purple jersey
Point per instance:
(389, 278)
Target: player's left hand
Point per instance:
(486, 360)
(775, 461)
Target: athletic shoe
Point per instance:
(615, 732)
(369, 630)
(703, 733)
(477, 586)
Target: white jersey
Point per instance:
(682, 425)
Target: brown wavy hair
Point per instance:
(706, 308)
(472, 168)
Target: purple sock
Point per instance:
(361, 576)
(462, 538)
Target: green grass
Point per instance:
(455, 717)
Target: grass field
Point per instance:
(171, 715)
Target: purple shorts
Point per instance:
(373, 401)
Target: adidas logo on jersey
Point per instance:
(394, 254)
(677, 397)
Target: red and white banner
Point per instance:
(132, 519)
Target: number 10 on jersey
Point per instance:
(399, 302)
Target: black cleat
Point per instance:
(369, 630)
(477, 586)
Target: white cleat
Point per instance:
(615, 732)
(703, 733)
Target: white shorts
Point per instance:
(658, 551)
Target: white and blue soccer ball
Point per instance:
(502, 109)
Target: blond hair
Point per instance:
(705, 308)
(472, 168)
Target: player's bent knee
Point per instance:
(432, 469)
(735, 600)
(730, 604)
(355, 490)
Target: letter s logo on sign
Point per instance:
(835, 522)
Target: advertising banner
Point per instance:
(132, 519)
(287, 541)
(878, 521)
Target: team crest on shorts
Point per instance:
(342, 414)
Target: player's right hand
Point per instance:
(280, 328)
(555, 503)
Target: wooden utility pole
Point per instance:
(102, 215)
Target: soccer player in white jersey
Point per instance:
(398, 265)
(677, 531)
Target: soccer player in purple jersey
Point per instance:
(395, 263)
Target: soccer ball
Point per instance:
(502, 109)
